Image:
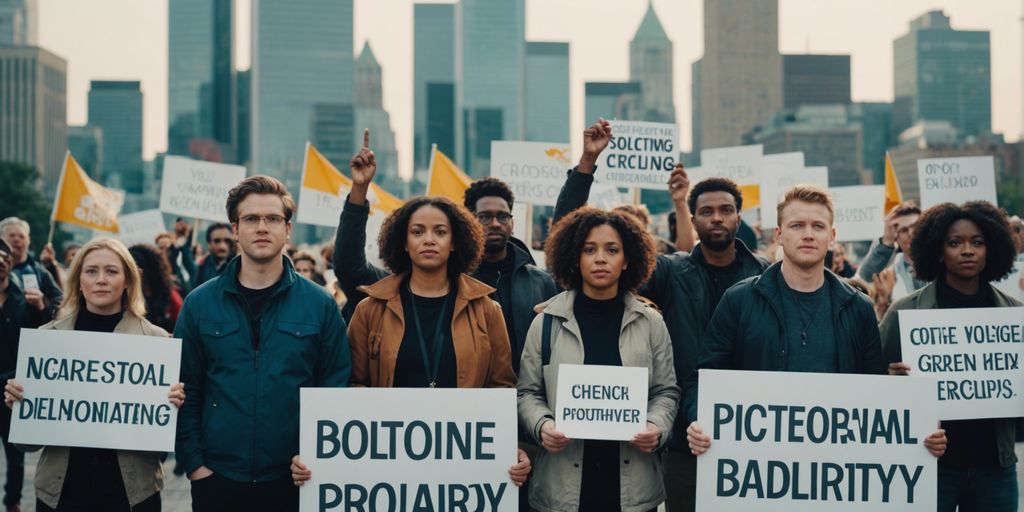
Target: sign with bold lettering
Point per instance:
(971, 357)
(854, 443)
(956, 180)
(408, 449)
(137, 228)
(192, 188)
(639, 155)
(601, 402)
(96, 390)
(534, 170)
(859, 212)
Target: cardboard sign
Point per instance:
(97, 390)
(815, 442)
(639, 155)
(601, 402)
(957, 180)
(138, 228)
(408, 449)
(196, 189)
(859, 212)
(971, 357)
(534, 170)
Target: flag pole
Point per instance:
(430, 169)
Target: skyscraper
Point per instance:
(433, 82)
(86, 144)
(650, 64)
(490, 48)
(941, 74)
(547, 92)
(200, 74)
(301, 57)
(116, 108)
(370, 113)
(826, 136)
(33, 110)
(19, 22)
(243, 106)
(611, 100)
(815, 80)
(740, 73)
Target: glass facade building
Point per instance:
(116, 108)
(547, 92)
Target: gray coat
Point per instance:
(643, 342)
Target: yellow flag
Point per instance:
(83, 202)
(446, 179)
(321, 175)
(893, 194)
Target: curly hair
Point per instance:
(155, 270)
(487, 187)
(930, 236)
(714, 185)
(467, 236)
(565, 245)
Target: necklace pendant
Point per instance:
(433, 384)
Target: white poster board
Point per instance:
(606, 197)
(815, 442)
(859, 212)
(137, 228)
(775, 187)
(318, 208)
(96, 390)
(956, 180)
(970, 357)
(1012, 284)
(601, 402)
(741, 164)
(534, 170)
(196, 189)
(639, 155)
(391, 449)
(522, 221)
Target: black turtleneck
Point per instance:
(89, 321)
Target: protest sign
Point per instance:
(138, 228)
(956, 180)
(606, 197)
(970, 356)
(196, 189)
(779, 178)
(601, 402)
(815, 442)
(639, 155)
(859, 211)
(534, 170)
(741, 164)
(408, 449)
(97, 390)
(1011, 285)
(522, 221)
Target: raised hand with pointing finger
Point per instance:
(363, 166)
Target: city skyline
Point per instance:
(599, 50)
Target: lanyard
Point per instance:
(438, 347)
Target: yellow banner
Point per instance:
(321, 175)
(893, 194)
(446, 179)
(83, 202)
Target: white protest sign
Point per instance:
(741, 164)
(1012, 284)
(775, 187)
(606, 197)
(971, 358)
(138, 228)
(374, 223)
(408, 449)
(534, 170)
(956, 180)
(601, 402)
(522, 221)
(192, 188)
(639, 155)
(812, 442)
(319, 208)
(30, 281)
(97, 390)
(859, 212)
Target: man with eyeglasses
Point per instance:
(221, 249)
(250, 339)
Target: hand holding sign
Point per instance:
(553, 440)
(699, 441)
(936, 443)
(647, 440)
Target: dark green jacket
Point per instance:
(241, 413)
(747, 331)
(928, 298)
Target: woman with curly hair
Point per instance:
(163, 303)
(961, 250)
(601, 258)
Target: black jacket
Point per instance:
(746, 332)
(530, 285)
(47, 284)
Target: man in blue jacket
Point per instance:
(251, 338)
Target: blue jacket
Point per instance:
(241, 413)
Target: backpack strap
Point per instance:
(545, 341)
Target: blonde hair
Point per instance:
(807, 194)
(132, 301)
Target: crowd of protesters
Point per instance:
(461, 303)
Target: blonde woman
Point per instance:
(104, 294)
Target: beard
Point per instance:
(716, 244)
(495, 246)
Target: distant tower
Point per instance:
(650, 64)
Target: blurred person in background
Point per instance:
(42, 291)
(163, 303)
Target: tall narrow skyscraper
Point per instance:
(19, 22)
(490, 55)
(33, 110)
(201, 89)
(116, 108)
(547, 92)
(650, 64)
(433, 82)
(301, 57)
(370, 113)
(740, 73)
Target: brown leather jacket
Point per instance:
(483, 355)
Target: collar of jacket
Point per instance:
(928, 297)
(228, 280)
(765, 284)
(389, 290)
(561, 305)
(522, 253)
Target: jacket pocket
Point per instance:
(215, 335)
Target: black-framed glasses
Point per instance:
(486, 218)
(251, 221)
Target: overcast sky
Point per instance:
(127, 40)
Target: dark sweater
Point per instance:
(410, 370)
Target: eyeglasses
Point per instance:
(486, 218)
(251, 221)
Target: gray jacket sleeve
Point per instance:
(663, 398)
(878, 257)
